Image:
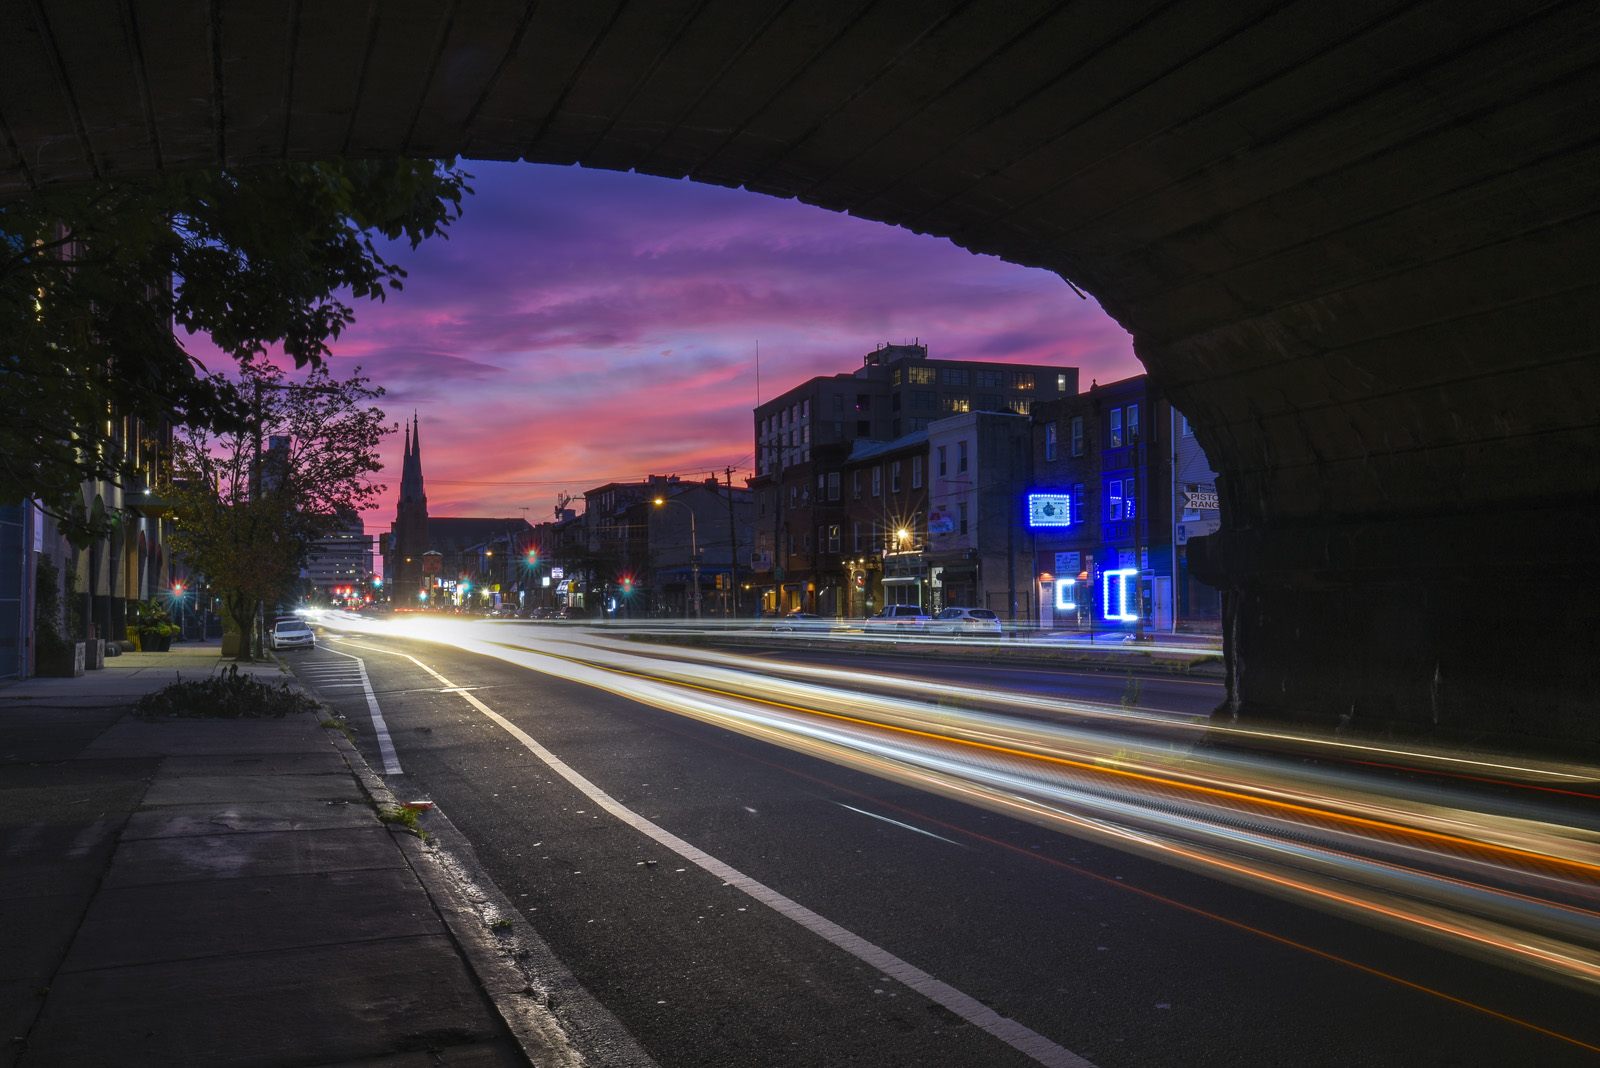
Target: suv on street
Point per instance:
(979, 621)
(898, 617)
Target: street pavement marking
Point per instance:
(391, 761)
(1023, 1039)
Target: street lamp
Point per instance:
(694, 550)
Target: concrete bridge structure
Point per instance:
(1357, 243)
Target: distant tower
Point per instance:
(410, 529)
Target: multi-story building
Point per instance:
(342, 559)
(979, 555)
(1100, 508)
(812, 431)
(1197, 513)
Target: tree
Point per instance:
(249, 502)
(94, 279)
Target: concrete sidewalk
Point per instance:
(218, 892)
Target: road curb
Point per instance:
(555, 1020)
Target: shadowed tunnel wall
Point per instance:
(1357, 244)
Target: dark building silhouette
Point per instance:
(408, 534)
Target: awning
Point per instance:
(902, 580)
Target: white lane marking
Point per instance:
(897, 823)
(1023, 1039)
(391, 761)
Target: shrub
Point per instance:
(228, 695)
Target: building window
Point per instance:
(991, 402)
(920, 376)
(952, 376)
(1061, 383)
(1021, 407)
(1113, 499)
(805, 408)
(894, 402)
(833, 485)
(794, 413)
(961, 457)
(1128, 488)
(942, 468)
(763, 502)
(894, 378)
(805, 542)
(863, 402)
(916, 472)
(1077, 435)
(1021, 379)
(957, 402)
(863, 428)
(1049, 441)
(924, 399)
(961, 517)
(794, 496)
(855, 484)
(855, 536)
(1116, 427)
(805, 434)
(833, 538)
(877, 481)
(1077, 502)
(991, 379)
(915, 424)
(894, 477)
(1133, 423)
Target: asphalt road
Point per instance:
(1119, 960)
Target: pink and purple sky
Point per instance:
(582, 326)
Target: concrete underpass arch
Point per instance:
(1358, 245)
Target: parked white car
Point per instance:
(897, 618)
(975, 621)
(292, 634)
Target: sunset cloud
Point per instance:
(585, 326)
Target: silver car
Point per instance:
(975, 621)
(292, 634)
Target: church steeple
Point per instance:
(411, 488)
(408, 537)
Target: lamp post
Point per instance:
(694, 550)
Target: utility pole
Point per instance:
(733, 544)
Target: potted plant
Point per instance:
(155, 628)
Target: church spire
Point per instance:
(411, 468)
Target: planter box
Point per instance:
(65, 665)
(230, 643)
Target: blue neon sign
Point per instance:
(1114, 606)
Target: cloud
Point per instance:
(583, 326)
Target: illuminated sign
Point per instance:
(1049, 509)
(1066, 595)
(1114, 595)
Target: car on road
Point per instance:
(897, 618)
(980, 622)
(292, 634)
(803, 622)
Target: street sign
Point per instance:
(1203, 501)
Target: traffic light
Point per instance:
(627, 586)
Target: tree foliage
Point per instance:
(250, 501)
(94, 279)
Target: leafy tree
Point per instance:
(93, 280)
(250, 501)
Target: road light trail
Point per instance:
(1515, 882)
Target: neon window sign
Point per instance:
(1116, 586)
(1049, 510)
(1066, 595)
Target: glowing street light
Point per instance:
(694, 550)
